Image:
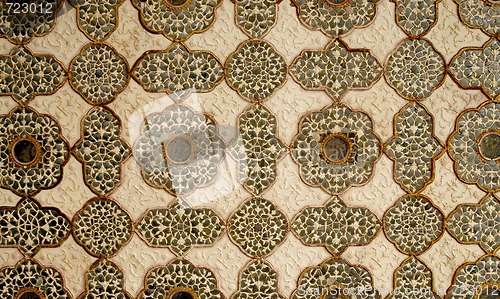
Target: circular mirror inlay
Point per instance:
(489, 146)
(337, 2)
(25, 151)
(182, 295)
(30, 295)
(336, 148)
(178, 150)
(176, 3)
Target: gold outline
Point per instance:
(29, 138)
(239, 282)
(421, 35)
(166, 143)
(177, 7)
(478, 141)
(269, 28)
(462, 19)
(339, 136)
(176, 290)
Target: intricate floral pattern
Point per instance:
(484, 14)
(30, 227)
(179, 150)
(257, 227)
(104, 280)
(332, 278)
(101, 150)
(336, 69)
(335, 18)
(97, 19)
(180, 228)
(472, 280)
(178, 71)
(477, 223)
(29, 279)
(261, 149)
(32, 151)
(256, 70)
(98, 73)
(21, 28)
(474, 146)
(413, 224)
(336, 148)
(413, 280)
(415, 69)
(177, 20)
(24, 75)
(256, 17)
(258, 280)
(180, 279)
(478, 68)
(102, 227)
(416, 17)
(414, 148)
(335, 226)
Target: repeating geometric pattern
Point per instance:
(416, 17)
(180, 228)
(256, 17)
(336, 148)
(474, 146)
(258, 280)
(413, 224)
(415, 69)
(177, 20)
(33, 151)
(29, 279)
(477, 223)
(24, 75)
(21, 27)
(180, 279)
(177, 71)
(336, 69)
(101, 150)
(483, 14)
(257, 227)
(261, 149)
(104, 280)
(98, 73)
(413, 148)
(478, 68)
(102, 227)
(335, 226)
(179, 150)
(256, 70)
(30, 227)
(97, 19)
(413, 280)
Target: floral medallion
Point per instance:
(335, 226)
(476, 280)
(335, 278)
(104, 280)
(416, 17)
(262, 149)
(179, 150)
(477, 223)
(178, 71)
(257, 227)
(33, 152)
(478, 68)
(256, 70)
(335, 18)
(413, 224)
(180, 228)
(414, 147)
(474, 146)
(336, 148)
(336, 69)
(30, 227)
(484, 14)
(20, 28)
(101, 150)
(30, 280)
(180, 279)
(412, 280)
(255, 17)
(177, 20)
(415, 69)
(98, 73)
(102, 227)
(258, 280)
(24, 75)
(97, 19)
